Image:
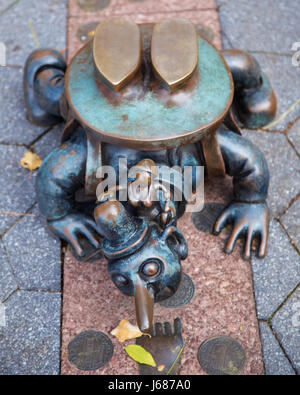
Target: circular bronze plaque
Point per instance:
(206, 218)
(183, 295)
(90, 350)
(221, 356)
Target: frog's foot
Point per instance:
(44, 86)
(254, 99)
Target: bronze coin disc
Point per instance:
(221, 356)
(183, 295)
(90, 350)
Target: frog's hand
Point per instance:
(73, 226)
(43, 86)
(249, 220)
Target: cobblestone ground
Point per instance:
(268, 31)
(30, 257)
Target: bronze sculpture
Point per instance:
(155, 96)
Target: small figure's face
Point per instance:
(151, 274)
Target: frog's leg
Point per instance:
(44, 86)
(254, 99)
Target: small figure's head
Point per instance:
(144, 261)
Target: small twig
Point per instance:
(282, 116)
(36, 40)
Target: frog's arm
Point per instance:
(248, 212)
(60, 176)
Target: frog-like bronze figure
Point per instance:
(155, 96)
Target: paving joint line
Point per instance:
(11, 294)
(2, 12)
(282, 304)
(292, 201)
(30, 145)
(49, 291)
(289, 237)
(17, 220)
(282, 348)
(292, 145)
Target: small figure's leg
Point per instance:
(43, 86)
(254, 99)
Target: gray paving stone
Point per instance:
(265, 25)
(275, 361)
(15, 128)
(47, 143)
(268, 28)
(7, 281)
(291, 222)
(17, 192)
(34, 254)
(30, 341)
(284, 168)
(294, 136)
(276, 275)
(286, 324)
(48, 18)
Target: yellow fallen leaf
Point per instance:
(30, 161)
(140, 355)
(126, 331)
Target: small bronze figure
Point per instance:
(155, 96)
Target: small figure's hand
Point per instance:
(70, 227)
(250, 220)
(165, 345)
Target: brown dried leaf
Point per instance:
(126, 331)
(30, 161)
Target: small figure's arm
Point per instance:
(60, 176)
(248, 212)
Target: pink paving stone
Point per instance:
(129, 7)
(208, 19)
(223, 303)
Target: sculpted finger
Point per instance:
(158, 329)
(223, 220)
(238, 228)
(94, 226)
(167, 329)
(72, 240)
(90, 237)
(263, 243)
(248, 244)
(177, 326)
